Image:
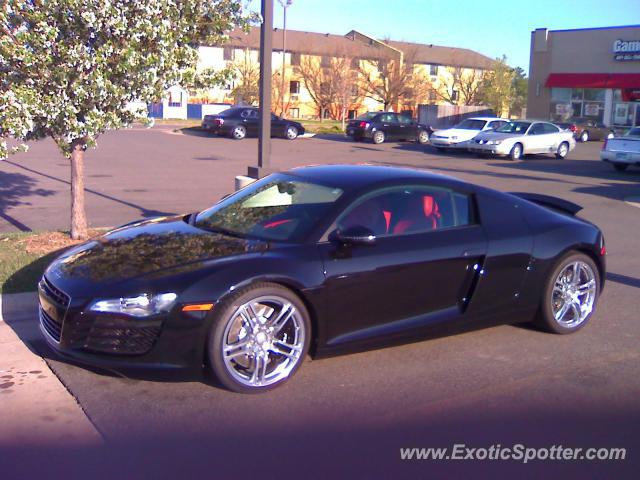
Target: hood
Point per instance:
(461, 133)
(140, 249)
(491, 135)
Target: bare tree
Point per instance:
(393, 81)
(246, 72)
(317, 81)
(343, 78)
(465, 88)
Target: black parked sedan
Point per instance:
(239, 122)
(321, 260)
(383, 126)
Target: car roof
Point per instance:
(355, 177)
(485, 118)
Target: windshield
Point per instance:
(470, 124)
(514, 127)
(634, 132)
(367, 116)
(278, 207)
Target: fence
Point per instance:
(443, 116)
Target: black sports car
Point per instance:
(383, 126)
(239, 122)
(321, 260)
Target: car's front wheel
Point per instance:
(378, 137)
(516, 152)
(291, 133)
(239, 132)
(584, 136)
(259, 338)
(570, 294)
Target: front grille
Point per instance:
(54, 293)
(53, 328)
(120, 337)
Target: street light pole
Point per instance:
(285, 4)
(264, 132)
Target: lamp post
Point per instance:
(264, 132)
(285, 4)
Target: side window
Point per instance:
(404, 120)
(548, 128)
(245, 113)
(388, 118)
(537, 129)
(406, 210)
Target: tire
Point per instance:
(620, 167)
(562, 289)
(516, 152)
(238, 132)
(584, 136)
(261, 307)
(291, 132)
(423, 137)
(378, 137)
(563, 150)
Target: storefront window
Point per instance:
(594, 94)
(568, 104)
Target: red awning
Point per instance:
(593, 80)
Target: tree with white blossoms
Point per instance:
(69, 68)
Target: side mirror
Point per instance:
(356, 235)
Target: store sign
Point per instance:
(626, 50)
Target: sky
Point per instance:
(491, 27)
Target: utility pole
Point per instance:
(264, 132)
(285, 4)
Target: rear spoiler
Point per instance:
(548, 201)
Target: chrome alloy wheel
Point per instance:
(263, 341)
(563, 150)
(573, 295)
(291, 133)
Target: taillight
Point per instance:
(219, 121)
(573, 128)
(364, 124)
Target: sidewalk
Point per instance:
(35, 407)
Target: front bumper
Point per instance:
(446, 142)
(488, 149)
(173, 340)
(629, 158)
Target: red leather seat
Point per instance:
(422, 214)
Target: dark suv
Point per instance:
(382, 126)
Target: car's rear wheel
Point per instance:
(516, 152)
(620, 167)
(239, 132)
(423, 137)
(570, 294)
(291, 133)
(584, 136)
(378, 137)
(259, 338)
(563, 150)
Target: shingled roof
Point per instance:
(359, 45)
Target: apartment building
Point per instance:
(316, 74)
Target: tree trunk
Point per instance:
(78, 214)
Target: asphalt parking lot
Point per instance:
(350, 415)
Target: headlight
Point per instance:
(494, 142)
(140, 306)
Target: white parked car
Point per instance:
(622, 151)
(522, 137)
(460, 134)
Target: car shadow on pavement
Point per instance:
(623, 279)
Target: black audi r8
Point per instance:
(321, 260)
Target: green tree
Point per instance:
(497, 87)
(69, 68)
(520, 86)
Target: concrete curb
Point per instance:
(37, 409)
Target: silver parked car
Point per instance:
(622, 151)
(522, 137)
